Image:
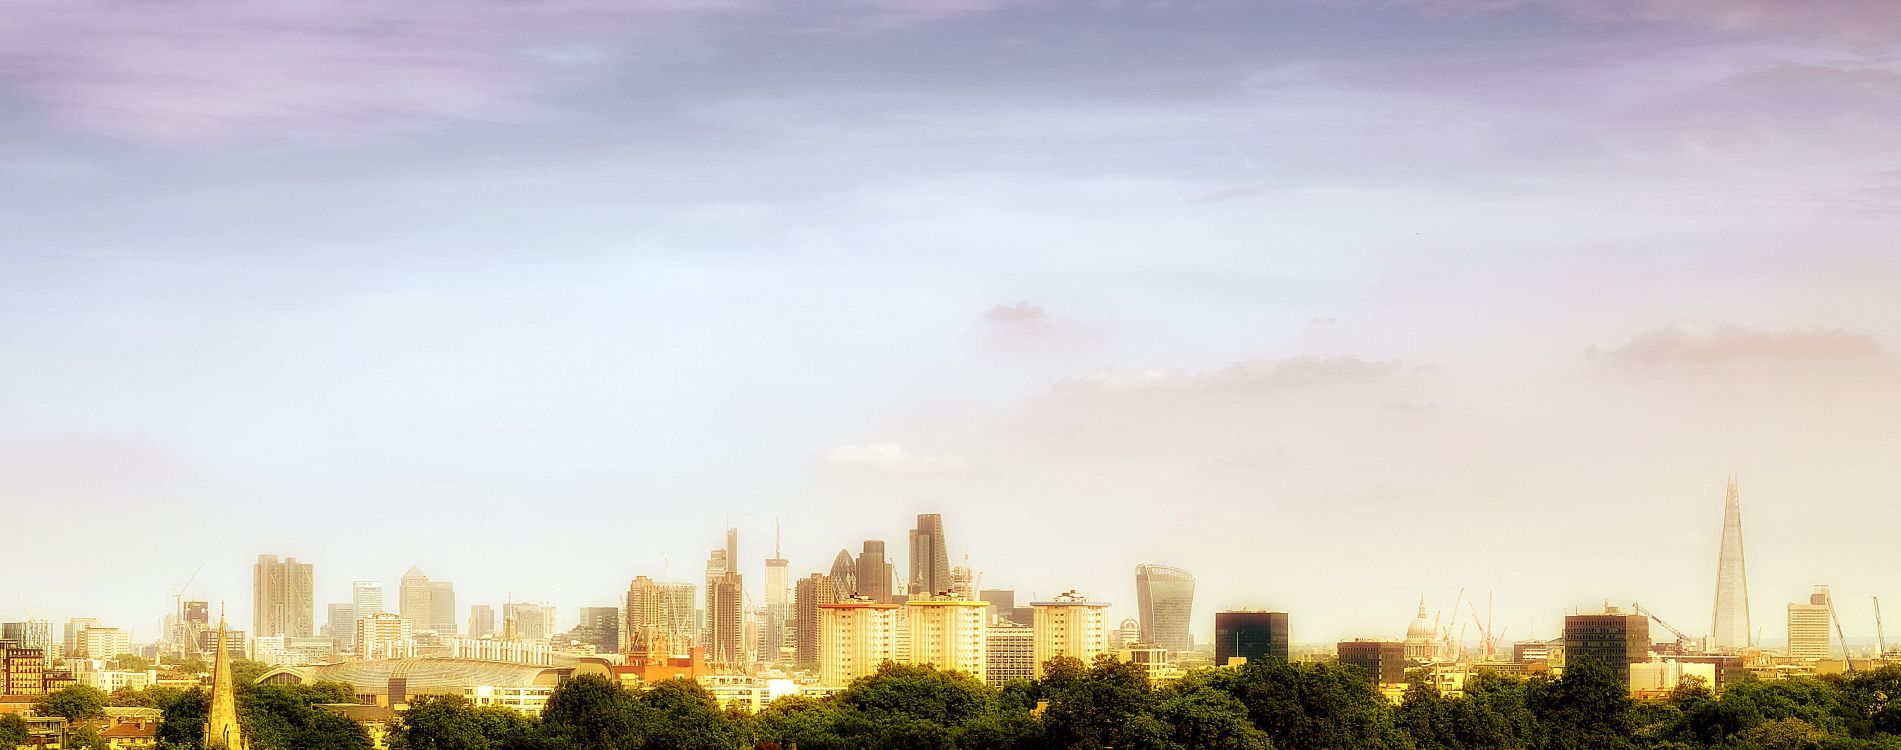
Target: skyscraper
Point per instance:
(414, 599)
(481, 621)
(1250, 636)
(367, 597)
(810, 593)
(281, 598)
(874, 573)
(442, 607)
(930, 563)
(659, 617)
(1729, 626)
(600, 628)
(1809, 636)
(855, 636)
(726, 621)
(1164, 597)
(777, 605)
(844, 574)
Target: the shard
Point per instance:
(1729, 627)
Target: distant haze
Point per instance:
(1334, 304)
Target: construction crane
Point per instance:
(1445, 636)
(1881, 640)
(1848, 662)
(1683, 641)
(188, 641)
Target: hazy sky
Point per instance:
(1334, 304)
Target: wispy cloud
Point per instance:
(1729, 343)
(1262, 376)
(889, 457)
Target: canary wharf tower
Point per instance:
(1729, 627)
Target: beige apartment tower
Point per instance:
(950, 634)
(1809, 636)
(282, 603)
(855, 637)
(1069, 625)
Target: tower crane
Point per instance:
(1848, 662)
(1881, 640)
(1683, 641)
(188, 640)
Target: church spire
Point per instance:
(221, 724)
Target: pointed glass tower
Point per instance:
(1729, 627)
(221, 724)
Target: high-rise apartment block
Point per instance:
(1729, 627)
(1010, 653)
(950, 634)
(282, 603)
(1247, 635)
(1809, 634)
(855, 637)
(725, 621)
(1070, 625)
(1165, 597)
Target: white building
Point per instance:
(112, 679)
(384, 635)
(949, 634)
(1662, 676)
(1809, 630)
(103, 643)
(855, 637)
(1069, 625)
(528, 700)
(528, 651)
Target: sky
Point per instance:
(1337, 304)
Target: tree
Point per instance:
(75, 702)
(130, 663)
(1201, 717)
(1110, 705)
(1333, 706)
(439, 722)
(12, 730)
(591, 712)
(85, 737)
(182, 722)
(678, 714)
(1586, 709)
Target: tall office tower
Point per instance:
(340, 626)
(222, 731)
(777, 602)
(1250, 636)
(950, 634)
(529, 621)
(1009, 653)
(874, 573)
(1164, 597)
(481, 621)
(855, 637)
(725, 622)
(1729, 627)
(442, 607)
(1003, 604)
(809, 594)
(930, 564)
(75, 626)
(1809, 636)
(282, 603)
(658, 616)
(1613, 638)
(717, 566)
(600, 628)
(367, 597)
(844, 574)
(29, 634)
(1069, 625)
(414, 600)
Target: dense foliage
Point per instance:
(1110, 705)
(275, 717)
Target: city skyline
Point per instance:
(1395, 299)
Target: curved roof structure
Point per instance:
(422, 675)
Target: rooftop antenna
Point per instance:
(775, 540)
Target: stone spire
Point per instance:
(221, 724)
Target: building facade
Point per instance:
(930, 563)
(1613, 638)
(810, 593)
(873, 576)
(1165, 597)
(1729, 625)
(282, 602)
(855, 637)
(1383, 661)
(1810, 638)
(950, 634)
(1070, 625)
(481, 621)
(1250, 636)
(1010, 653)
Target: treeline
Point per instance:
(1110, 705)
